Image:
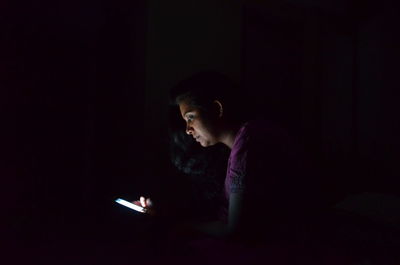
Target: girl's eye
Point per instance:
(190, 117)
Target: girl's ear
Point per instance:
(220, 109)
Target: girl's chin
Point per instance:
(205, 144)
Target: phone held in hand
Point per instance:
(130, 205)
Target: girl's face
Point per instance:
(202, 129)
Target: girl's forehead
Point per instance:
(184, 107)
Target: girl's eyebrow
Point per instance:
(187, 112)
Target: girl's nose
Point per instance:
(189, 130)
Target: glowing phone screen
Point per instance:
(130, 205)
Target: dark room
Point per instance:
(200, 132)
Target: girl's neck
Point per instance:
(229, 133)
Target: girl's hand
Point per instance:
(147, 204)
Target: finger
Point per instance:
(149, 203)
(143, 201)
(137, 203)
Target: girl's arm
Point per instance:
(218, 228)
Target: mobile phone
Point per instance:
(130, 205)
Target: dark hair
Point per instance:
(201, 89)
(205, 167)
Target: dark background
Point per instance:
(84, 85)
